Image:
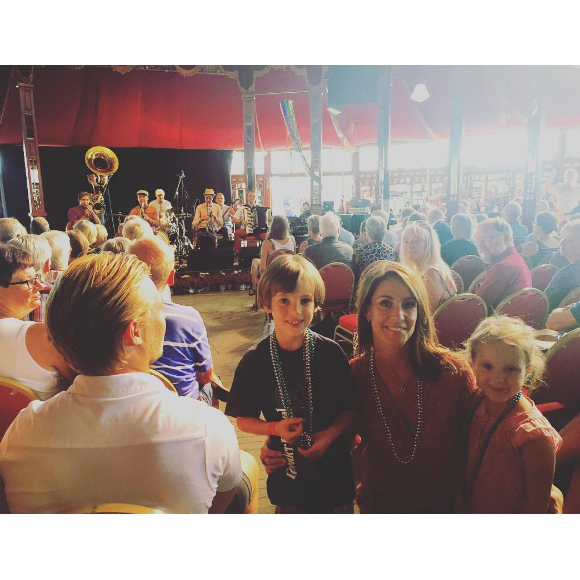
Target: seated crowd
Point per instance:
(434, 430)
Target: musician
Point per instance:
(83, 211)
(207, 221)
(147, 212)
(247, 217)
(163, 207)
(227, 212)
(306, 211)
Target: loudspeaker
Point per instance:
(247, 255)
(204, 260)
(350, 84)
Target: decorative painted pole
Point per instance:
(383, 135)
(315, 78)
(456, 130)
(249, 105)
(30, 145)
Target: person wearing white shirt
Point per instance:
(162, 206)
(118, 435)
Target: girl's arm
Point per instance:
(289, 429)
(264, 255)
(323, 439)
(539, 462)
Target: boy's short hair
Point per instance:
(282, 276)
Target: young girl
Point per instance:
(301, 383)
(511, 449)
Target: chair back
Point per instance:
(469, 267)
(541, 276)
(456, 319)
(571, 298)
(276, 254)
(14, 397)
(166, 382)
(338, 281)
(562, 380)
(458, 281)
(115, 508)
(475, 282)
(529, 305)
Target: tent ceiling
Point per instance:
(156, 108)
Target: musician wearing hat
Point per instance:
(163, 207)
(207, 221)
(147, 212)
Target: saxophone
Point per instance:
(210, 227)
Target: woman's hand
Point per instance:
(290, 430)
(271, 460)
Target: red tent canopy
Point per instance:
(154, 108)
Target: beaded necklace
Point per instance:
(468, 486)
(383, 419)
(306, 438)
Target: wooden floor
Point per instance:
(233, 327)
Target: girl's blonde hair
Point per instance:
(514, 332)
(432, 257)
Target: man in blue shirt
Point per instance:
(186, 360)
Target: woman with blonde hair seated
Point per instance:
(28, 356)
(88, 229)
(420, 249)
(279, 238)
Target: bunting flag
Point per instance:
(287, 108)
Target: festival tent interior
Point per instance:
(161, 119)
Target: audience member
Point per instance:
(329, 249)
(567, 278)
(566, 195)
(507, 271)
(463, 206)
(479, 217)
(28, 356)
(462, 244)
(416, 216)
(375, 249)
(344, 235)
(544, 226)
(421, 250)
(116, 245)
(512, 213)
(566, 318)
(514, 473)
(61, 250)
(314, 236)
(362, 239)
(39, 249)
(389, 237)
(78, 243)
(10, 228)
(136, 228)
(118, 435)
(186, 360)
(102, 235)
(88, 229)
(39, 225)
(398, 228)
(437, 222)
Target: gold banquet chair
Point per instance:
(14, 397)
(115, 508)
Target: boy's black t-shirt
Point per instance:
(328, 482)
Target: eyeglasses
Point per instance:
(29, 283)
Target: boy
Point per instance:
(301, 383)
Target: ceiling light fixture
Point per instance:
(420, 93)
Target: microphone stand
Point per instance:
(183, 244)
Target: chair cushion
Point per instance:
(349, 321)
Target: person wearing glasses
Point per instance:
(28, 356)
(507, 271)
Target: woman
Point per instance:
(314, 236)
(413, 393)
(375, 249)
(420, 249)
(462, 244)
(362, 239)
(567, 278)
(79, 245)
(27, 354)
(279, 238)
(544, 243)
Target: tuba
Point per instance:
(103, 163)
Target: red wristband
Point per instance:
(272, 428)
